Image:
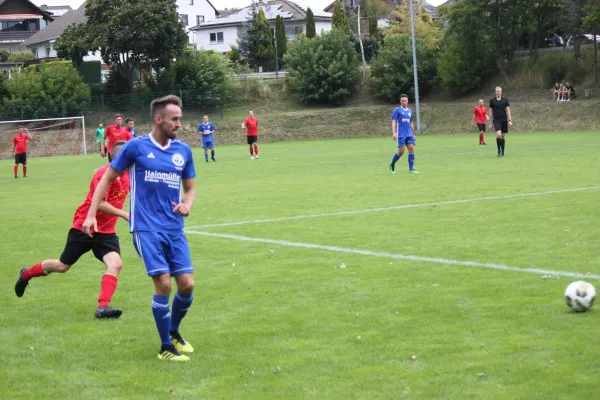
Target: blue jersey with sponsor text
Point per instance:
(403, 118)
(206, 128)
(156, 173)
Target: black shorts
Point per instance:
(78, 243)
(21, 158)
(252, 139)
(481, 127)
(109, 157)
(501, 126)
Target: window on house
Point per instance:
(199, 19)
(35, 52)
(298, 29)
(47, 51)
(191, 2)
(183, 18)
(216, 37)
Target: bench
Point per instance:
(588, 93)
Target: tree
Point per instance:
(245, 39)
(592, 22)
(141, 34)
(543, 15)
(311, 30)
(392, 69)
(47, 90)
(280, 37)
(574, 21)
(339, 20)
(4, 56)
(75, 43)
(373, 31)
(21, 56)
(262, 49)
(425, 29)
(323, 69)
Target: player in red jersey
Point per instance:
(104, 243)
(112, 134)
(480, 116)
(251, 125)
(20, 150)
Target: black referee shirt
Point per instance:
(498, 107)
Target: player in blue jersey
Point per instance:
(159, 166)
(403, 131)
(207, 129)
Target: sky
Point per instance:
(219, 4)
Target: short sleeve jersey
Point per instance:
(115, 133)
(115, 196)
(20, 142)
(206, 128)
(99, 133)
(403, 118)
(156, 174)
(498, 108)
(252, 126)
(480, 113)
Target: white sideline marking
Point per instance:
(438, 203)
(444, 261)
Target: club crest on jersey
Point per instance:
(178, 160)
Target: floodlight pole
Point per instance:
(276, 52)
(414, 49)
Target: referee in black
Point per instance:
(501, 118)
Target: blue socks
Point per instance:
(162, 317)
(411, 161)
(206, 156)
(181, 304)
(396, 158)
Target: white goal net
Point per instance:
(51, 137)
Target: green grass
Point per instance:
(284, 322)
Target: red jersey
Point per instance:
(252, 126)
(114, 134)
(480, 113)
(116, 195)
(20, 142)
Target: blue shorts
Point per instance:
(163, 253)
(209, 144)
(404, 140)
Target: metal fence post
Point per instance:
(221, 101)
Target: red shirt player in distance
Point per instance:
(480, 116)
(112, 134)
(20, 150)
(251, 125)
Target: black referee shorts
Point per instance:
(78, 243)
(21, 158)
(501, 126)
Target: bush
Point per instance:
(464, 65)
(392, 70)
(555, 71)
(21, 56)
(4, 56)
(50, 89)
(323, 69)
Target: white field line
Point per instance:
(370, 253)
(399, 207)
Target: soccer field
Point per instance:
(319, 275)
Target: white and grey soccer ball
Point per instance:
(580, 296)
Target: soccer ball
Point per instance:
(580, 296)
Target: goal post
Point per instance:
(51, 136)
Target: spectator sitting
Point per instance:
(571, 90)
(556, 91)
(557, 40)
(563, 93)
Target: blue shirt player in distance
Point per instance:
(403, 132)
(159, 166)
(208, 142)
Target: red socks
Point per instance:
(251, 152)
(33, 272)
(16, 169)
(481, 140)
(256, 149)
(108, 287)
(24, 170)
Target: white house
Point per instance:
(195, 12)
(41, 44)
(219, 34)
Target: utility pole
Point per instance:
(276, 52)
(414, 49)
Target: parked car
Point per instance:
(587, 38)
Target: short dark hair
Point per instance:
(116, 146)
(158, 105)
(128, 120)
(403, 95)
(118, 116)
